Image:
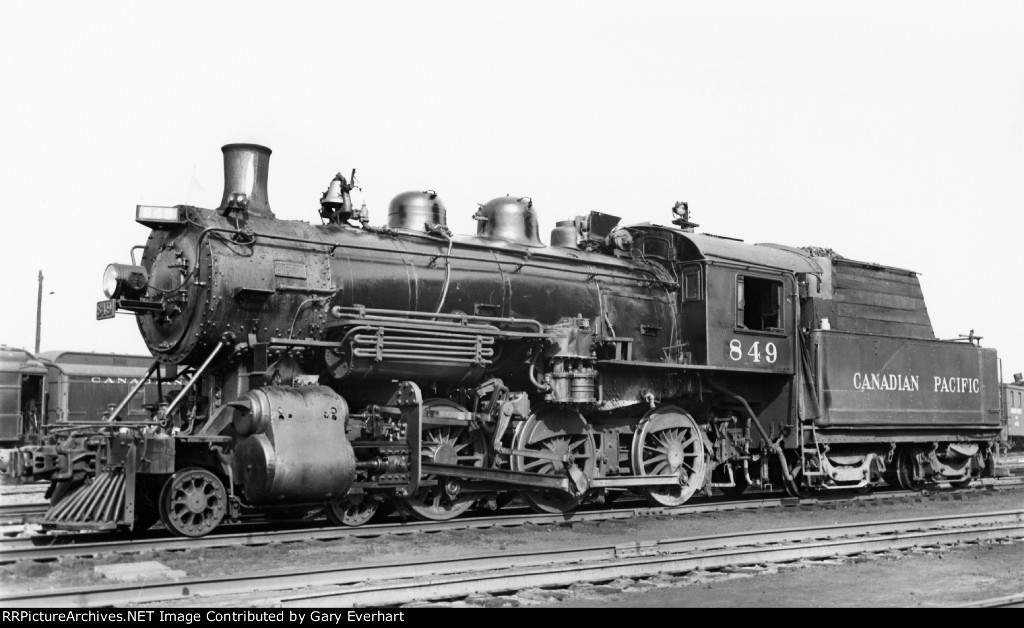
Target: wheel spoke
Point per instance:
(658, 469)
(536, 463)
(654, 459)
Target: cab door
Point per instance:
(693, 346)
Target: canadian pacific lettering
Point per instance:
(912, 383)
(957, 385)
(889, 381)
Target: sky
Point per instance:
(890, 132)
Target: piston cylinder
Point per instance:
(295, 448)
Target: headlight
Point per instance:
(124, 280)
(110, 281)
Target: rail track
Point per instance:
(1011, 461)
(405, 582)
(53, 546)
(23, 489)
(17, 514)
(44, 547)
(1009, 601)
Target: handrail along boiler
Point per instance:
(351, 367)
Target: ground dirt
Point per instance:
(922, 578)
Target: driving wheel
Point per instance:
(445, 444)
(669, 442)
(562, 441)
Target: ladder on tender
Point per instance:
(812, 449)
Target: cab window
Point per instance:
(655, 247)
(758, 303)
(691, 284)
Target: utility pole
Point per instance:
(39, 310)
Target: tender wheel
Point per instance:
(352, 510)
(554, 432)
(975, 467)
(905, 477)
(193, 502)
(446, 444)
(668, 441)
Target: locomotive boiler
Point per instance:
(350, 367)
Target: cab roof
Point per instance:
(703, 246)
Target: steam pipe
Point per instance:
(447, 271)
(195, 376)
(533, 375)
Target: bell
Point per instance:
(336, 204)
(334, 196)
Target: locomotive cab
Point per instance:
(738, 304)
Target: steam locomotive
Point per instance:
(356, 367)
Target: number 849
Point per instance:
(771, 353)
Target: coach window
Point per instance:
(758, 303)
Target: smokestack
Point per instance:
(245, 172)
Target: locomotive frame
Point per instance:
(352, 367)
